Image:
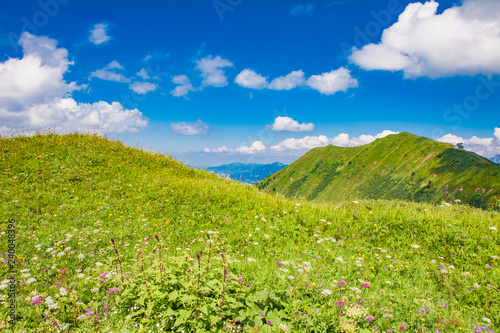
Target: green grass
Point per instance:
(402, 166)
(72, 194)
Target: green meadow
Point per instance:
(114, 239)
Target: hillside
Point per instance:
(401, 166)
(108, 238)
(250, 173)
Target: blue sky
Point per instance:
(212, 82)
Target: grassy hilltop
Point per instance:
(108, 238)
(401, 166)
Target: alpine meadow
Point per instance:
(117, 239)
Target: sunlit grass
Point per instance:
(427, 267)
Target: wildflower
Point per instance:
(284, 327)
(251, 259)
(493, 228)
(37, 300)
(340, 303)
(241, 279)
(415, 246)
(98, 264)
(366, 285)
(31, 280)
(326, 292)
(103, 275)
(81, 276)
(60, 254)
(49, 249)
(291, 277)
(269, 323)
(369, 318)
(80, 256)
(105, 308)
(486, 320)
(63, 291)
(54, 323)
(402, 328)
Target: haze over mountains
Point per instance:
(401, 166)
(250, 173)
(495, 159)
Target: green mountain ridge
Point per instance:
(401, 166)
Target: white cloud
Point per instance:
(142, 73)
(33, 93)
(142, 88)
(297, 147)
(109, 73)
(343, 140)
(290, 81)
(254, 148)
(332, 82)
(211, 71)
(305, 143)
(282, 124)
(98, 35)
(194, 128)
(302, 8)
(483, 146)
(37, 77)
(463, 40)
(249, 79)
(184, 86)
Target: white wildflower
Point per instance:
(326, 292)
(486, 320)
(98, 264)
(30, 280)
(81, 256)
(251, 259)
(63, 291)
(49, 249)
(415, 246)
(60, 254)
(493, 228)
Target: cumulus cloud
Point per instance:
(343, 140)
(302, 8)
(184, 86)
(211, 71)
(305, 143)
(33, 93)
(193, 128)
(109, 73)
(463, 40)
(142, 88)
(99, 35)
(287, 124)
(290, 81)
(487, 147)
(250, 79)
(255, 148)
(293, 146)
(332, 82)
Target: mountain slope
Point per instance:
(402, 166)
(249, 173)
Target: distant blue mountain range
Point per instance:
(495, 159)
(247, 173)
